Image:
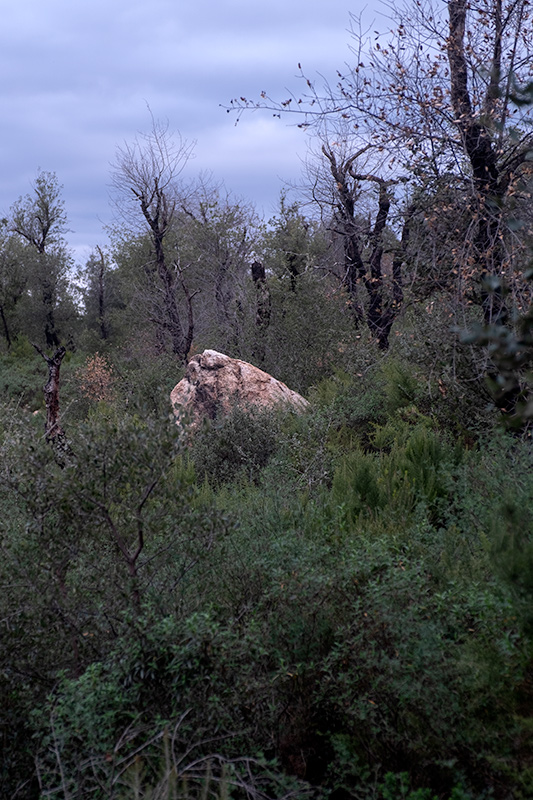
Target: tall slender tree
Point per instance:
(145, 179)
(12, 284)
(102, 294)
(40, 221)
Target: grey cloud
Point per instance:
(81, 75)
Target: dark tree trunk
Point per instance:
(263, 309)
(104, 333)
(223, 293)
(172, 317)
(157, 219)
(378, 319)
(6, 327)
(54, 433)
(379, 315)
(399, 258)
(354, 269)
(293, 267)
(489, 185)
(50, 331)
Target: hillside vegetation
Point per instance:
(336, 605)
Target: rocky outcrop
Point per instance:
(214, 383)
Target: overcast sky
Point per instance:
(78, 75)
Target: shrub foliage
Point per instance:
(332, 605)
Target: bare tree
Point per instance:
(434, 94)
(481, 112)
(343, 180)
(145, 177)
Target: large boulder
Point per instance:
(214, 383)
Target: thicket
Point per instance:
(331, 605)
(335, 605)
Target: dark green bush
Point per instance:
(22, 375)
(237, 446)
(334, 604)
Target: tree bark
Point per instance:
(55, 435)
(263, 309)
(379, 315)
(104, 333)
(157, 217)
(50, 332)
(354, 268)
(489, 184)
(379, 319)
(6, 328)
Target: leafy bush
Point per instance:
(22, 375)
(237, 446)
(89, 546)
(334, 604)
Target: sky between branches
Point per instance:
(79, 77)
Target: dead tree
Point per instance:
(145, 177)
(54, 433)
(435, 95)
(379, 312)
(494, 161)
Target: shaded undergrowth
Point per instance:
(335, 605)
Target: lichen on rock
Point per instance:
(214, 383)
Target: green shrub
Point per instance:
(22, 375)
(356, 487)
(237, 446)
(396, 787)
(335, 604)
(401, 386)
(86, 549)
(414, 466)
(511, 540)
(155, 716)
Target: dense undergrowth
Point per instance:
(336, 605)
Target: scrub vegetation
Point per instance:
(335, 605)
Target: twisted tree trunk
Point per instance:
(55, 435)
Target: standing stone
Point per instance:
(214, 383)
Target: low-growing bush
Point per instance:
(334, 605)
(236, 446)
